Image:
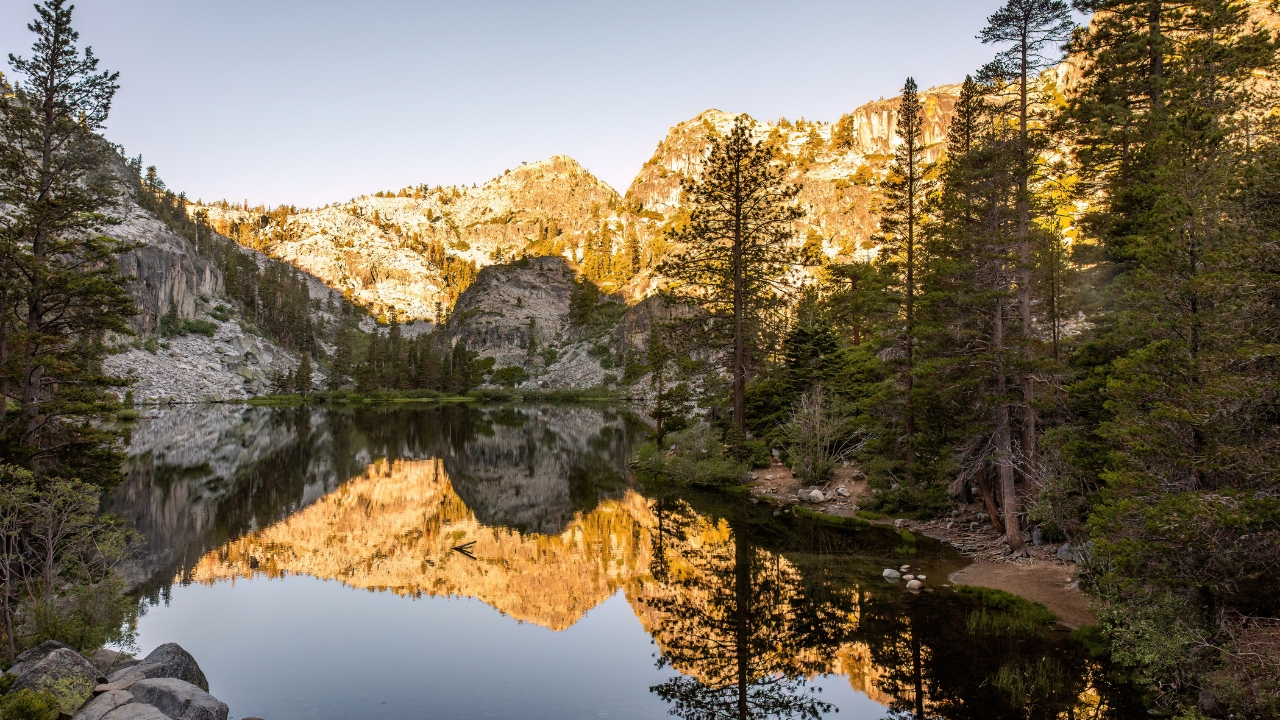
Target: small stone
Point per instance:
(915, 585)
(908, 577)
(1064, 552)
(920, 577)
(904, 568)
(891, 574)
(842, 491)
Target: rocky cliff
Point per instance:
(170, 275)
(411, 253)
(166, 269)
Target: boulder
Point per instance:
(891, 574)
(1064, 552)
(98, 707)
(63, 673)
(908, 577)
(179, 699)
(915, 585)
(26, 659)
(168, 661)
(136, 711)
(109, 661)
(900, 523)
(1037, 536)
(842, 491)
(122, 679)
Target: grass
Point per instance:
(353, 398)
(567, 395)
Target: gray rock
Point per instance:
(63, 673)
(908, 577)
(171, 661)
(816, 496)
(1064, 552)
(136, 711)
(842, 491)
(915, 585)
(890, 574)
(122, 679)
(900, 523)
(1037, 536)
(98, 707)
(179, 699)
(26, 659)
(109, 661)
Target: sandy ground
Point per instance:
(1041, 579)
(1051, 584)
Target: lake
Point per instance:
(502, 562)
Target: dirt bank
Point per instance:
(1041, 578)
(1053, 585)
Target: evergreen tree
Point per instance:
(302, 382)
(61, 279)
(1033, 30)
(901, 212)
(736, 247)
(1177, 391)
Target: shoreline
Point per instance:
(1042, 578)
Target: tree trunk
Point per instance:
(739, 325)
(1024, 270)
(1004, 449)
(742, 625)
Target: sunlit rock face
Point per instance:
(397, 526)
(411, 252)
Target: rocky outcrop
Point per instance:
(518, 314)
(166, 685)
(513, 311)
(166, 269)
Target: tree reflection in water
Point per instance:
(738, 622)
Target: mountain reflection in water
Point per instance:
(530, 511)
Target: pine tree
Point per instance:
(1033, 31)
(302, 381)
(61, 277)
(901, 212)
(1177, 391)
(736, 247)
(967, 296)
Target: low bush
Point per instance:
(695, 456)
(509, 376)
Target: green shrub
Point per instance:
(29, 705)
(199, 327)
(509, 376)
(696, 456)
(151, 345)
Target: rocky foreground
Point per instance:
(167, 684)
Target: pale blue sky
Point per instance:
(312, 101)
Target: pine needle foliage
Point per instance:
(736, 247)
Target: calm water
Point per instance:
(501, 563)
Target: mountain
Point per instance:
(409, 254)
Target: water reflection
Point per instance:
(530, 510)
